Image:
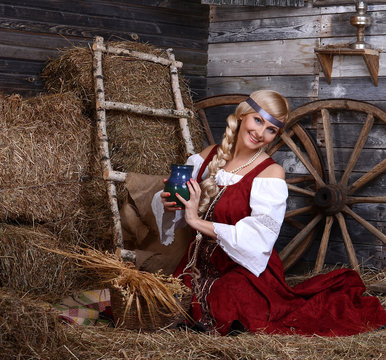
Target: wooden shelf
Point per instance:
(370, 56)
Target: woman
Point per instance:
(237, 205)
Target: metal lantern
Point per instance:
(361, 20)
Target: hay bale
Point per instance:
(138, 143)
(29, 329)
(44, 154)
(27, 268)
(49, 172)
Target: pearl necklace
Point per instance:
(199, 236)
(249, 162)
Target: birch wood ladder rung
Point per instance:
(109, 175)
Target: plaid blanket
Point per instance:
(91, 307)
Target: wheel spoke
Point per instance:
(357, 149)
(300, 190)
(291, 246)
(365, 199)
(296, 212)
(205, 124)
(296, 224)
(299, 179)
(379, 234)
(309, 144)
(347, 241)
(290, 143)
(276, 146)
(373, 173)
(329, 147)
(323, 244)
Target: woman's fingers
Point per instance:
(194, 187)
(165, 195)
(171, 206)
(179, 197)
(195, 194)
(168, 205)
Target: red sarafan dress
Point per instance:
(329, 304)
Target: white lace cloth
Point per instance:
(250, 241)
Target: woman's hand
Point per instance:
(168, 205)
(191, 210)
(191, 206)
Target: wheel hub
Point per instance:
(330, 199)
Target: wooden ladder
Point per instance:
(109, 175)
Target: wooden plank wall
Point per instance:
(31, 32)
(273, 48)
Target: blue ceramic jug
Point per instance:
(177, 183)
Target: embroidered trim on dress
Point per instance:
(203, 284)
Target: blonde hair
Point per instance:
(272, 102)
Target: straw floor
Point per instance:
(29, 330)
(167, 344)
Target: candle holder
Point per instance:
(361, 20)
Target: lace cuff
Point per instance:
(269, 223)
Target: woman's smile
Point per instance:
(253, 138)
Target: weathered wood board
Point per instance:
(290, 86)
(261, 58)
(34, 31)
(353, 88)
(265, 29)
(227, 13)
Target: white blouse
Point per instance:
(250, 241)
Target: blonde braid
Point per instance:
(209, 187)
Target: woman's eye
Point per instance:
(258, 120)
(273, 131)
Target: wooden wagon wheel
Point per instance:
(333, 198)
(302, 140)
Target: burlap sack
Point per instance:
(139, 228)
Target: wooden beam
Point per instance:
(104, 153)
(179, 102)
(141, 109)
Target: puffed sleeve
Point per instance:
(250, 241)
(168, 222)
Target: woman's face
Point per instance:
(256, 132)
